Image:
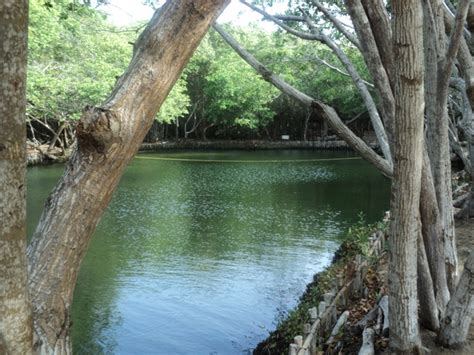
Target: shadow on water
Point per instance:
(200, 258)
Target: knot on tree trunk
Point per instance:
(97, 130)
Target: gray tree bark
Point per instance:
(406, 182)
(15, 310)
(466, 71)
(108, 138)
(429, 315)
(460, 309)
(382, 30)
(439, 64)
(374, 62)
(432, 231)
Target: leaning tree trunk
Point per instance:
(319, 108)
(108, 138)
(438, 136)
(15, 311)
(455, 325)
(428, 315)
(432, 231)
(406, 182)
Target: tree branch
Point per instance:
(358, 82)
(323, 110)
(302, 35)
(451, 11)
(290, 18)
(466, 67)
(382, 30)
(353, 39)
(374, 63)
(451, 53)
(340, 71)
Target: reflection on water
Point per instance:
(201, 258)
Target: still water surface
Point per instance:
(203, 257)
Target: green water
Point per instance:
(203, 257)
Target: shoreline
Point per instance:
(359, 302)
(327, 144)
(38, 155)
(351, 255)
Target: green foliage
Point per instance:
(176, 104)
(76, 56)
(357, 239)
(74, 59)
(301, 64)
(228, 91)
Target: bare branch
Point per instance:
(453, 47)
(290, 18)
(451, 11)
(302, 35)
(336, 23)
(466, 67)
(355, 118)
(374, 63)
(382, 31)
(449, 5)
(337, 70)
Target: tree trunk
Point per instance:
(429, 316)
(439, 63)
(455, 325)
(382, 31)
(434, 49)
(432, 231)
(374, 62)
(406, 182)
(108, 138)
(15, 310)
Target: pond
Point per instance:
(203, 252)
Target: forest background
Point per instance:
(76, 56)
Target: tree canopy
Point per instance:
(76, 56)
